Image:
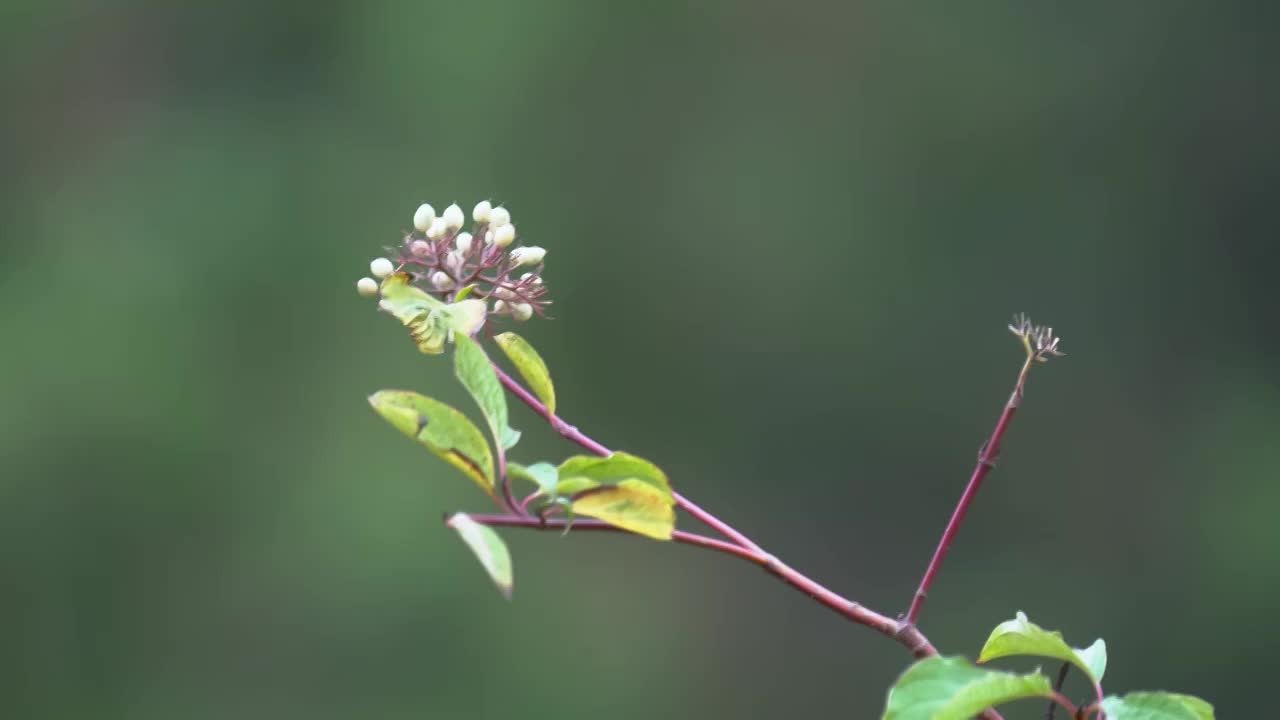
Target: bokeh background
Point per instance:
(784, 241)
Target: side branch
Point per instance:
(986, 461)
(680, 536)
(907, 636)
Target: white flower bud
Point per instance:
(440, 280)
(453, 217)
(531, 255)
(499, 307)
(367, 287)
(531, 279)
(488, 237)
(464, 242)
(504, 293)
(381, 268)
(522, 311)
(421, 248)
(436, 230)
(504, 235)
(481, 213)
(499, 216)
(423, 217)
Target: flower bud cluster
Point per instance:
(444, 260)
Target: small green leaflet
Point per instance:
(950, 688)
(1157, 706)
(1020, 636)
(531, 367)
(442, 429)
(473, 370)
(488, 548)
(542, 474)
(430, 321)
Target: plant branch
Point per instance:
(679, 536)
(576, 436)
(915, 642)
(986, 461)
(903, 632)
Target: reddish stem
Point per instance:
(912, 638)
(679, 536)
(986, 461)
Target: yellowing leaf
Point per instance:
(631, 505)
(488, 548)
(531, 367)
(442, 429)
(417, 310)
(430, 321)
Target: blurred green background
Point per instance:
(784, 241)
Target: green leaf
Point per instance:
(950, 688)
(631, 505)
(1156, 706)
(463, 293)
(542, 474)
(489, 549)
(1020, 636)
(430, 321)
(445, 431)
(472, 368)
(585, 472)
(531, 367)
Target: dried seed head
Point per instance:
(1039, 340)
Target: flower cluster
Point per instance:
(445, 261)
